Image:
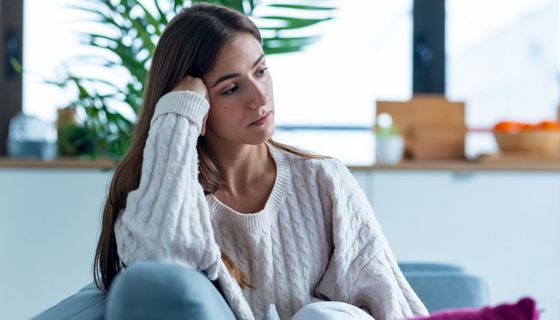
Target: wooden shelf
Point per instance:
(521, 164)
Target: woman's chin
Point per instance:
(260, 137)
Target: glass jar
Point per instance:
(30, 137)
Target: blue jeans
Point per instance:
(147, 290)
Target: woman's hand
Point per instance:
(194, 85)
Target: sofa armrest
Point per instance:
(449, 290)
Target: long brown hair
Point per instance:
(188, 46)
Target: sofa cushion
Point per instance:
(86, 304)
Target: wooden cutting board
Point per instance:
(432, 126)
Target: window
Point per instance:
(47, 47)
(365, 55)
(502, 60)
(52, 47)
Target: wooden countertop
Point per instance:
(512, 162)
(59, 163)
(483, 164)
(463, 166)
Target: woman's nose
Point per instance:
(259, 96)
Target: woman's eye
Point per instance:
(261, 72)
(230, 91)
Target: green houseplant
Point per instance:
(133, 28)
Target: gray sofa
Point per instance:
(445, 286)
(439, 286)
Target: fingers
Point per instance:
(189, 83)
(203, 129)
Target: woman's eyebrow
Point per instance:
(235, 75)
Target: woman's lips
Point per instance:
(262, 120)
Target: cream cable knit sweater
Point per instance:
(316, 239)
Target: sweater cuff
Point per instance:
(189, 104)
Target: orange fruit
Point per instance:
(548, 125)
(508, 126)
(527, 127)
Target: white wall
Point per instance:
(501, 226)
(49, 224)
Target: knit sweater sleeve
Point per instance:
(362, 270)
(166, 218)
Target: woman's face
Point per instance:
(240, 94)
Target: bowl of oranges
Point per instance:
(522, 137)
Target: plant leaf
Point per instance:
(292, 23)
(301, 7)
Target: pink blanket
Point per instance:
(524, 309)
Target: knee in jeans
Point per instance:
(161, 285)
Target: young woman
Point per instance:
(204, 187)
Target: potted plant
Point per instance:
(104, 131)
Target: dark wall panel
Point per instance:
(11, 36)
(429, 47)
